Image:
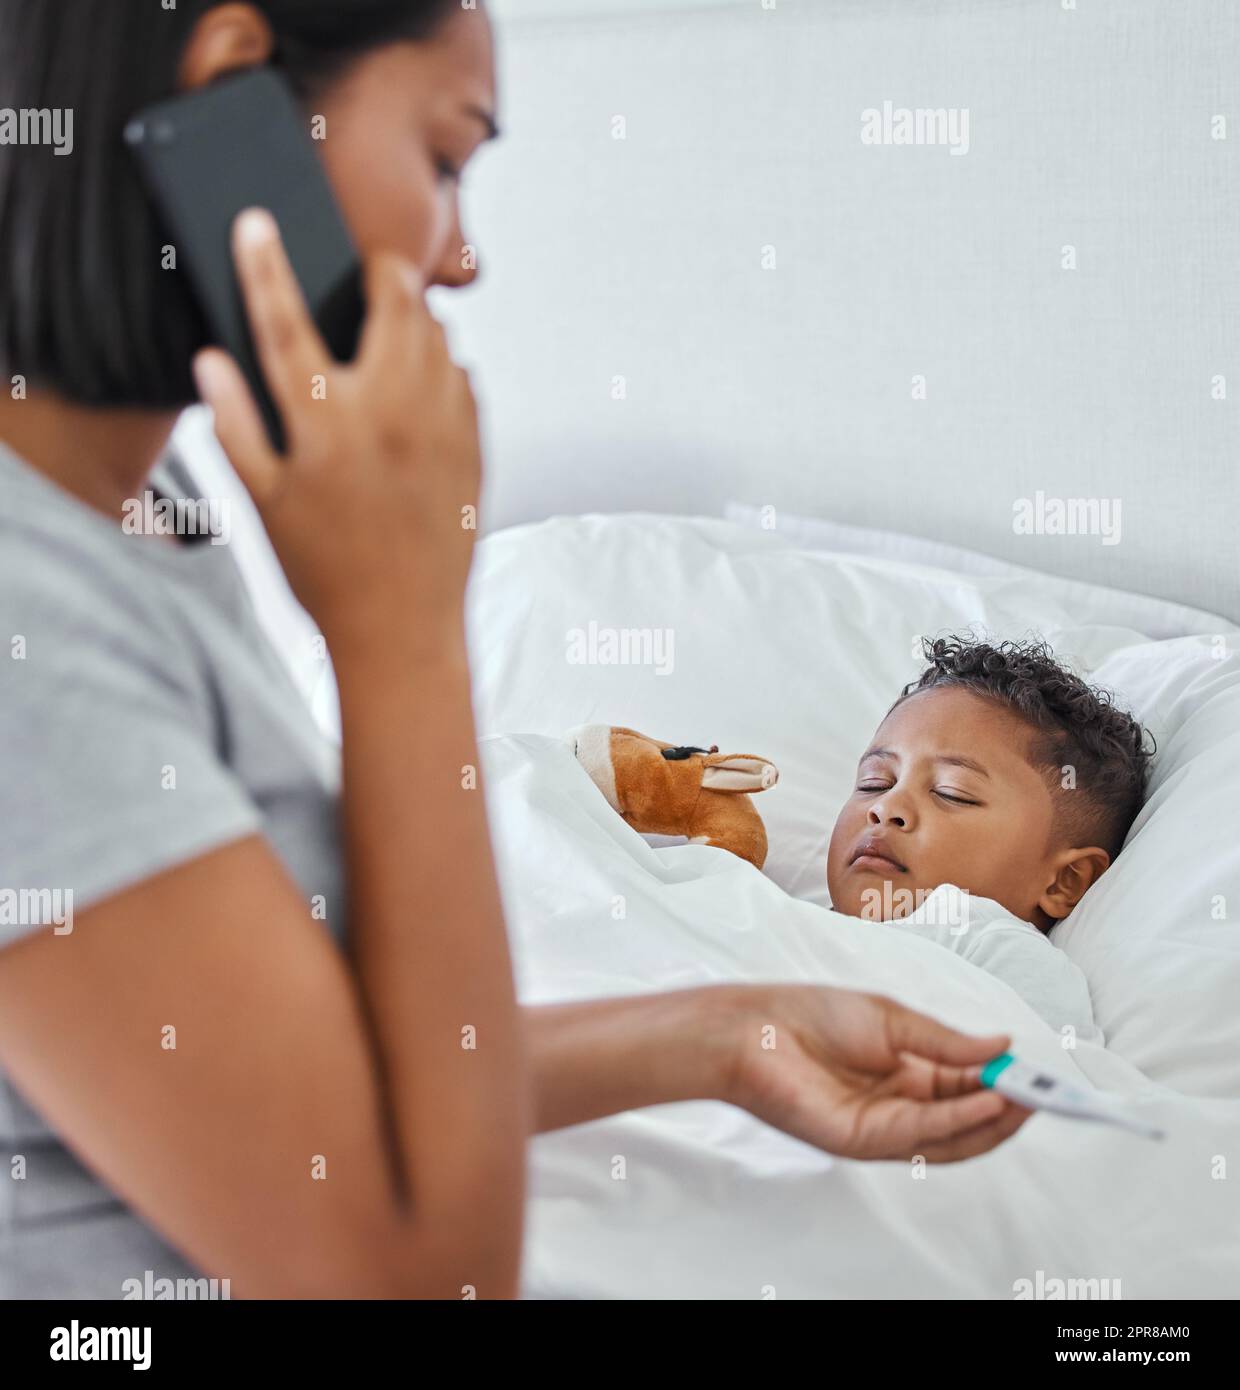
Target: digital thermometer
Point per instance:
(1038, 1090)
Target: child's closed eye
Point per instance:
(943, 794)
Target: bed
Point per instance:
(796, 652)
(798, 399)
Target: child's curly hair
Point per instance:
(1078, 725)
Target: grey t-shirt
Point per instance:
(144, 720)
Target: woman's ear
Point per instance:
(1078, 870)
(228, 38)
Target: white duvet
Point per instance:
(793, 656)
(715, 1204)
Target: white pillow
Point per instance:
(1158, 936)
(737, 637)
(1155, 617)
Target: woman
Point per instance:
(215, 1060)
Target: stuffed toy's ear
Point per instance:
(738, 772)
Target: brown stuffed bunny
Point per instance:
(666, 789)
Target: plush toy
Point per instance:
(666, 789)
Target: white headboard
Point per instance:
(885, 334)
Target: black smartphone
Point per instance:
(244, 142)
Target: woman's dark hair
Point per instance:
(86, 309)
(1075, 726)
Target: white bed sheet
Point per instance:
(715, 1204)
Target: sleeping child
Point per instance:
(998, 788)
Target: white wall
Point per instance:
(506, 11)
(791, 386)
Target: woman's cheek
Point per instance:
(447, 240)
(442, 224)
(388, 203)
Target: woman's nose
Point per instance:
(458, 266)
(457, 269)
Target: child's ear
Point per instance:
(1078, 870)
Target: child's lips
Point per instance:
(872, 856)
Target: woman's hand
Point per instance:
(862, 1076)
(367, 508)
